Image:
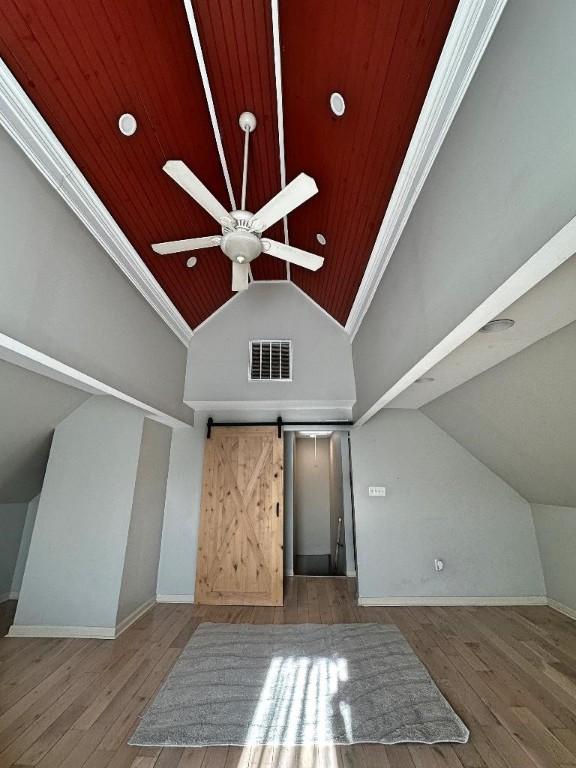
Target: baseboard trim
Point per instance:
(9, 596)
(561, 608)
(134, 616)
(174, 598)
(451, 601)
(96, 633)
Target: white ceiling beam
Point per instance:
(470, 32)
(552, 254)
(209, 100)
(17, 353)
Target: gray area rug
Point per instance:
(290, 684)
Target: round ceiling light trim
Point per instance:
(127, 124)
(337, 104)
(497, 325)
(191, 262)
(321, 238)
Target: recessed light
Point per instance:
(192, 261)
(425, 379)
(337, 104)
(321, 238)
(127, 124)
(495, 326)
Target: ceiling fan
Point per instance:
(241, 239)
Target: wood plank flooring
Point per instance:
(509, 672)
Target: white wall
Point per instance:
(31, 511)
(311, 497)
(519, 418)
(177, 569)
(501, 186)
(143, 546)
(62, 294)
(74, 569)
(217, 370)
(12, 519)
(556, 533)
(443, 503)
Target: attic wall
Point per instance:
(501, 186)
(519, 419)
(217, 370)
(62, 294)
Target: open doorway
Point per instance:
(319, 531)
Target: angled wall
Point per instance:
(443, 503)
(61, 293)
(501, 186)
(556, 532)
(218, 357)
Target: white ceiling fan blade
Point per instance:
(183, 176)
(191, 244)
(299, 190)
(291, 254)
(240, 276)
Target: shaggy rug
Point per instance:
(290, 684)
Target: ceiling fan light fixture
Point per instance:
(337, 104)
(127, 124)
(498, 325)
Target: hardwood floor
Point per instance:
(510, 673)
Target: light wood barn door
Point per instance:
(240, 550)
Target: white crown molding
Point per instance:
(31, 132)
(451, 600)
(17, 353)
(470, 32)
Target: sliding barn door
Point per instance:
(240, 550)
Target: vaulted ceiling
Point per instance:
(84, 64)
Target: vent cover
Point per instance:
(270, 360)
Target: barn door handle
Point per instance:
(277, 509)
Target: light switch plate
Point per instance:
(376, 490)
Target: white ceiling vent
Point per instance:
(270, 360)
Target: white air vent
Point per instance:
(270, 360)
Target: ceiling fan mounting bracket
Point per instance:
(247, 121)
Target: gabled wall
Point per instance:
(501, 186)
(218, 357)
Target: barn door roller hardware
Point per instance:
(278, 423)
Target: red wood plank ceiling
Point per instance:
(84, 64)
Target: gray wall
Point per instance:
(311, 497)
(74, 569)
(62, 294)
(177, 570)
(143, 547)
(443, 503)
(556, 533)
(519, 418)
(218, 355)
(31, 511)
(501, 186)
(30, 407)
(12, 519)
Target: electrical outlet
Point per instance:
(377, 490)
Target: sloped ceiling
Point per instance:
(84, 64)
(31, 406)
(519, 419)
